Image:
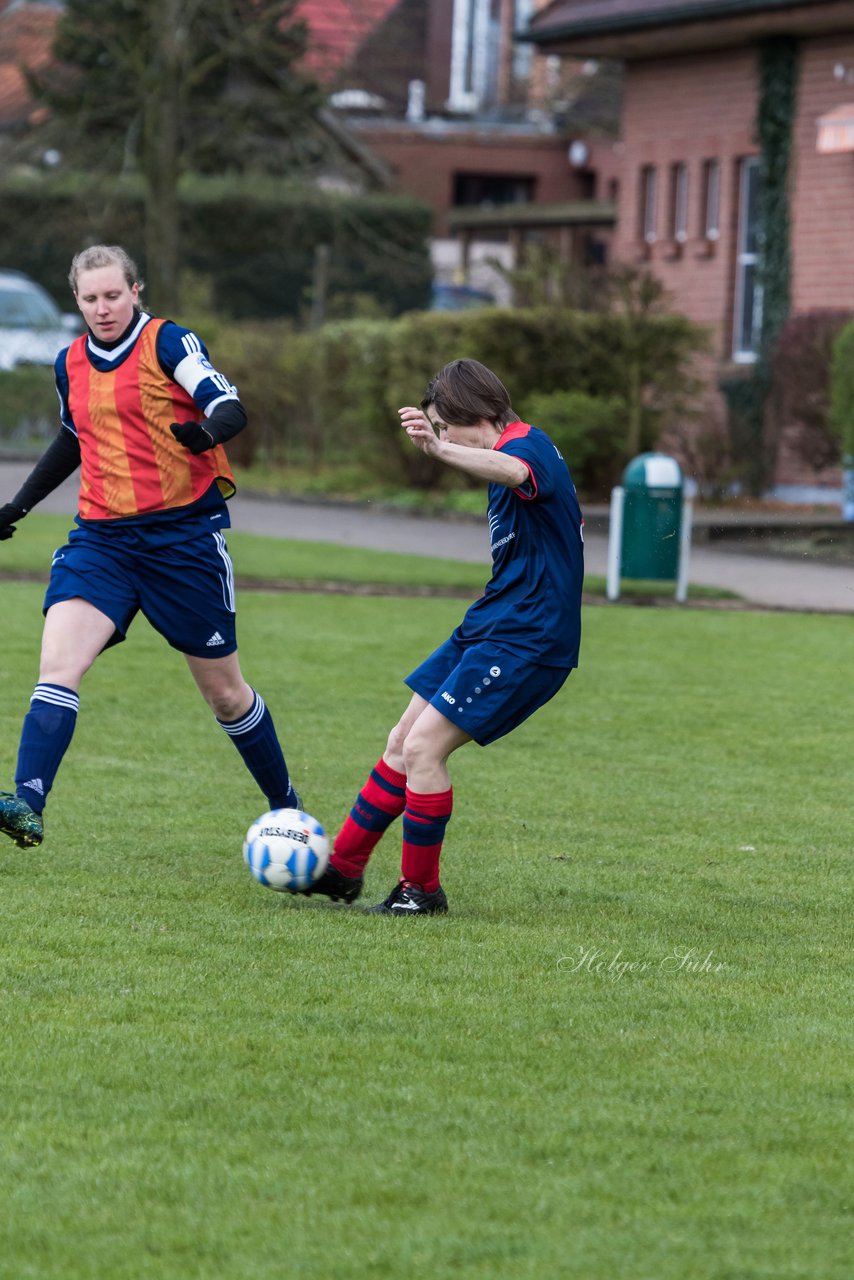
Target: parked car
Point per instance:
(32, 328)
(459, 297)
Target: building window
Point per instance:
(475, 40)
(647, 204)
(490, 189)
(747, 326)
(679, 203)
(711, 203)
(523, 54)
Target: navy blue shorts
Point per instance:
(485, 690)
(184, 589)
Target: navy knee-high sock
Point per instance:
(46, 732)
(254, 735)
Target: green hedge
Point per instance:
(334, 394)
(255, 244)
(842, 391)
(29, 409)
(590, 431)
(801, 365)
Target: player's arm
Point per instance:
(490, 465)
(60, 460)
(184, 358)
(485, 464)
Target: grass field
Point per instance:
(260, 559)
(624, 1055)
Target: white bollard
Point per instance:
(615, 543)
(685, 549)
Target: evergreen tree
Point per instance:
(163, 87)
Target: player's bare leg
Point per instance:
(222, 685)
(393, 754)
(74, 634)
(426, 748)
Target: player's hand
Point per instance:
(419, 430)
(9, 515)
(193, 436)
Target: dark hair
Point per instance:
(466, 391)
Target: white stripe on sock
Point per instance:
(57, 697)
(249, 721)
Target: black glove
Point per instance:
(8, 516)
(193, 436)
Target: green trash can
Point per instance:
(652, 518)
(649, 533)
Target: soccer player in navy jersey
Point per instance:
(511, 653)
(144, 416)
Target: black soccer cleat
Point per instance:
(334, 885)
(408, 899)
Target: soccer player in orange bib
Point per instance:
(144, 416)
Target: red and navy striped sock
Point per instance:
(424, 822)
(381, 800)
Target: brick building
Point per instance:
(690, 164)
(432, 98)
(471, 122)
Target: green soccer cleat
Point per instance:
(18, 821)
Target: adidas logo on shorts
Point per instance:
(216, 638)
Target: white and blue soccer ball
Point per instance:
(286, 850)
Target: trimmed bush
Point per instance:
(604, 385)
(590, 432)
(799, 402)
(255, 242)
(29, 409)
(842, 390)
(348, 379)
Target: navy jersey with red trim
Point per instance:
(532, 602)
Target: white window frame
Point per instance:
(711, 228)
(649, 182)
(522, 52)
(745, 267)
(469, 55)
(679, 210)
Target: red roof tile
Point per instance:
(26, 39)
(338, 29)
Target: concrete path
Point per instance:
(761, 579)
